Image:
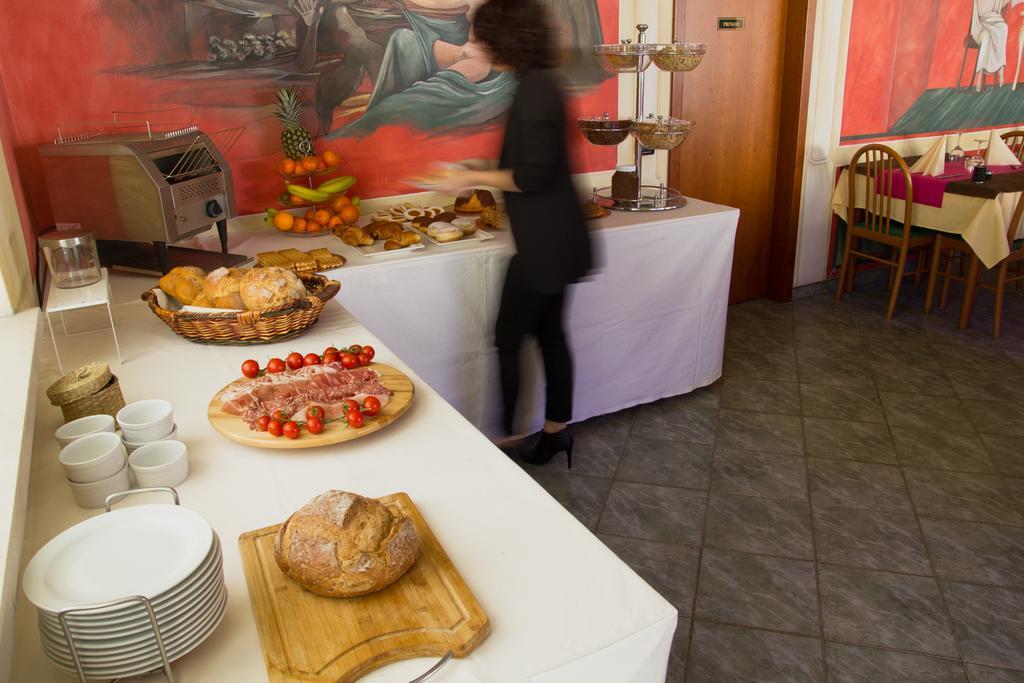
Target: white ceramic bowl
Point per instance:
(93, 457)
(83, 426)
(94, 494)
(132, 446)
(161, 463)
(145, 421)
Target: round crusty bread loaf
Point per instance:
(271, 287)
(341, 545)
(221, 288)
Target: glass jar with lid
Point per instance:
(71, 257)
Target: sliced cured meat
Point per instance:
(293, 391)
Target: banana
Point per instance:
(308, 194)
(339, 184)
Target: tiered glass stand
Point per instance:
(661, 133)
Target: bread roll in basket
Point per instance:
(250, 327)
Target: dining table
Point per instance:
(647, 323)
(979, 212)
(563, 608)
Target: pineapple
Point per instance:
(295, 139)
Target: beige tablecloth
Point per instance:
(982, 222)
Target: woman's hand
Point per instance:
(450, 180)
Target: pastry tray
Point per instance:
(478, 236)
(377, 249)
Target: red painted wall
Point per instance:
(870, 61)
(63, 62)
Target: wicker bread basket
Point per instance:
(250, 327)
(89, 390)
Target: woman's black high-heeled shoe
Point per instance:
(550, 445)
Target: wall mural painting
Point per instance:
(926, 67)
(390, 85)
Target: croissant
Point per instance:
(384, 230)
(356, 236)
(404, 239)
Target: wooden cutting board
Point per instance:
(334, 432)
(306, 637)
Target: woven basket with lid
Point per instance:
(88, 390)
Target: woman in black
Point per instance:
(552, 245)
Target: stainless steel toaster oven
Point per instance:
(155, 187)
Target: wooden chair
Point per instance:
(1015, 138)
(882, 168)
(958, 248)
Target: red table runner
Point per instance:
(930, 190)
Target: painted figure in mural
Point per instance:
(989, 32)
(425, 67)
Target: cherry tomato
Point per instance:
(275, 365)
(279, 415)
(315, 411)
(369, 351)
(349, 406)
(330, 358)
(364, 358)
(330, 349)
(314, 425)
(275, 427)
(294, 360)
(349, 361)
(355, 349)
(371, 405)
(311, 359)
(290, 429)
(250, 368)
(261, 424)
(355, 419)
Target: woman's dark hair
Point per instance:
(518, 34)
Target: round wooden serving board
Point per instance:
(334, 432)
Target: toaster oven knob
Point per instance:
(213, 208)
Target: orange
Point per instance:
(320, 165)
(286, 167)
(299, 225)
(309, 214)
(331, 158)
(335, 220)
(296, 200)
(349, 214)
(283, 220)
(314, 227)
(339, 203)
(309, 163)
(322, 217)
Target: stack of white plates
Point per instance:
(166, 553)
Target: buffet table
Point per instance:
(649, 324)
(562, 606)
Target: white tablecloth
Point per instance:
(649, 324)
(562, 606)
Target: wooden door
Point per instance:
(736, 97)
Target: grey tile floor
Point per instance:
(845, 504)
